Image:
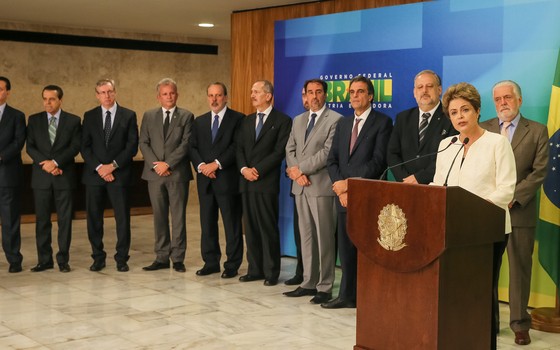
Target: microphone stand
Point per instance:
(465, 141)
(453, 140)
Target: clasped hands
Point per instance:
(161, 168)
(50, 167)
(105, 171)
(340, 188)
(300, 178)
(209, 169)
(250, 174)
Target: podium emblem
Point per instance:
(392, 227)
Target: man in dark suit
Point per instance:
(12, 139)
(306, 157)
(53, 140)
(109, 142)
(418, 132)
(359, 149)
(213, 156)
(529, 141)
(164, 141)
(261, 143)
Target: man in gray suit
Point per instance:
(529, 141)
(164, 141)
(306, 157)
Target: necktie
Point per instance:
(423, 127)
(259, 125)
(107, 128)
(166, 124)
(310, 126)
(52, 129)
(215, 126)
(505, 129)
(354, 136)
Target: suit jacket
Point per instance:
(311, 155)
(65, 147)
(266, 153)
(122, 147)
(12, 139)
(172, 149)
(530, 149)
(403, 144)
(368, 160)
(203, 150)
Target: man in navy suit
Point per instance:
(261, 143)
(12, 139)
(418, 132)
(213, 156)
(53, 140)
(359, 149)
(109, 142)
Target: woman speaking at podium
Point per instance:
(481, 162)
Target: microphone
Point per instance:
(453, 140)
(465, 141)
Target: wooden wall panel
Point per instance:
(252, 41)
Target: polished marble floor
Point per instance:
(166, 309)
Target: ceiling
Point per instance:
(167, 17)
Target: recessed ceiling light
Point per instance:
(206, 25)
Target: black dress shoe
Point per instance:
(250, 278)
(320, 298)
(14, 268)
(294, 281)
(122, 267)
(179, 267)
(339, 303)
(205, 271)
(156, 265)
(270, 282)
(97, 266)
(42, 267)
(229, 273)
(64, 267)
(300, 292)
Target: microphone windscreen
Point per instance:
(454, 139)
(466, 140)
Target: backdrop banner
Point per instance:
(477, 41)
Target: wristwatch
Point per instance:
(114, 164)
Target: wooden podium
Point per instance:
(424, 265)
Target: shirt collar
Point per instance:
(319, 112)
(514, 122)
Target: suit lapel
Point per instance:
(172, 123)
(520, 132)
(494, 125)
(316, 127)
(43, 126)
(252, 123)
(433, 127)
(268, 124)
(368, 124)
(59, 129)
(346, 135)
(223, 125)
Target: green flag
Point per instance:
(549, 216)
